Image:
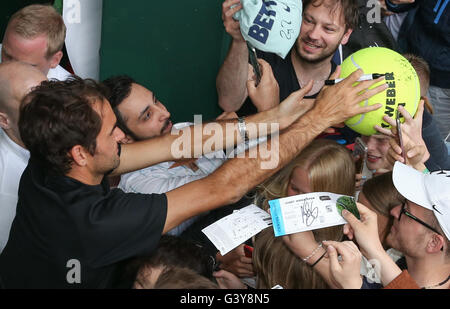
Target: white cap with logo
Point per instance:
(431, 191)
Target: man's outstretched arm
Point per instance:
(221, 134)
(235, 177)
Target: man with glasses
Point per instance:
(422, 229)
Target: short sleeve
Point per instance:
(120, 226)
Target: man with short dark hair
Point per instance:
(71, 230)
(141, 116)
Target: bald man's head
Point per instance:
(16, 80)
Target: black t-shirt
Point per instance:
(284, 73)
(66, 229)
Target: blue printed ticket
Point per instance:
(310, 211)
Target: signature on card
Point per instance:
(309, 213)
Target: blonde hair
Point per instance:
(35, 20)
(381, 193)
(330, 168)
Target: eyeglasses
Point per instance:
(404, 211)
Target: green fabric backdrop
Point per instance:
(174, 48)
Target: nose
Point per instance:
(118, 134)
(162, 111)
(371, 143)
(314, 33)
(395, 212)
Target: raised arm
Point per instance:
(237, 176)
(366, 234)
(232, 76)
(204, 138)
(414, 146)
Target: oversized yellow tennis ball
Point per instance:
(402, 79)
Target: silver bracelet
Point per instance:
(243, 129)
(313, 253)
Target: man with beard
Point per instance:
(325, 25)
(71, 230)
(141, 116)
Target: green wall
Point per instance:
(174, 48)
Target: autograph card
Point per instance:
(233, 230)
(310, 211)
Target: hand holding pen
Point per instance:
(411, 130)
(399, 133)
(330, 82)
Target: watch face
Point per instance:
(347, 202)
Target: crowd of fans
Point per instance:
(88, 171)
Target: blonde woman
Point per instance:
(323, 166)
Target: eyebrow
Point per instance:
(144, 111)
(148, 106)
(326, 24)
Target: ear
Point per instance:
(5, 123)
(79, 155)
(56, 59)
(346, 36)
(435, 244)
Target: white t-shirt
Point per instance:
(13, 161)
(371, 269)
(58, 73)
(161, 178)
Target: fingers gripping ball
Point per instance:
(403, 86)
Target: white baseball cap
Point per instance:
(431, 191)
